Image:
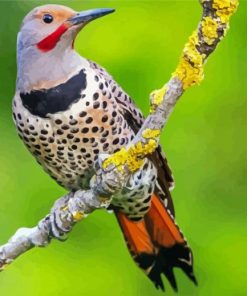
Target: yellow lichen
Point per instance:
(150, 133)
(4, 266)
(190, 67)
(157, 97)
(225, 9)
(132, 157)
(64, 209)
(118, 159)
(78, 216)
(209, 30)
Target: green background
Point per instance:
(205, 142)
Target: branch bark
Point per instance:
(113, 171)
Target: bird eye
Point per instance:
(48, 18)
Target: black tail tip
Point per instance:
(167, 258)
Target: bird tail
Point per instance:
(157, 245)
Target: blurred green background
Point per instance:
(205, 142)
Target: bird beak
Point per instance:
(88, 15)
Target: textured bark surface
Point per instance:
(113, 171)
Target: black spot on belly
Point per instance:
(95, 129)
(135, 219)
(77, 140)
(89, 120)
(116, 141)
(56, 99)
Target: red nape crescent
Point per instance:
(49, 42)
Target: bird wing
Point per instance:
(135, 119)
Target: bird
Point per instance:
(68, 110)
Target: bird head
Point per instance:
(50, 26)
(45, 54)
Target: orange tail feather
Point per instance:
(157, 244)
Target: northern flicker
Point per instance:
(68, 110)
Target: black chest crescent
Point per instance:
(50, 101)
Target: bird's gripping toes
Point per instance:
(68, 110)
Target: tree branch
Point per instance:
(113, 171)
